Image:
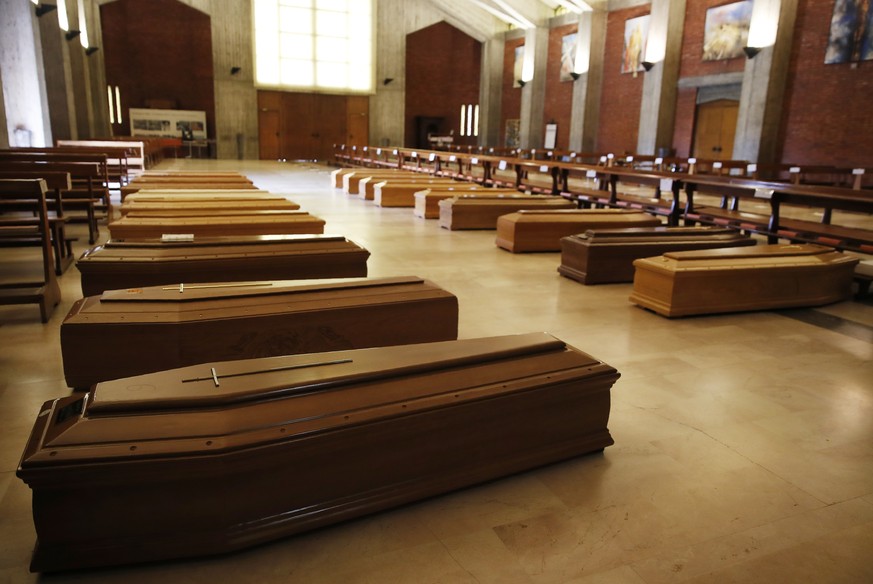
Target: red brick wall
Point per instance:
(442, 73)
(622, 93)
(826, 110)
(692, 64)
(510, 105)
(159, 50)
(559, 95)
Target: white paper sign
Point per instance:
(502, 165)
(717, 165)
(629, 159)
(765, 194)
(395, 152)
(794, 169)
(177, 237)
(752, 168)
(415, 155)
(857, 171)
(378, 152)
(659, 161)
(452, 158)
(544, 168)
(591, 173)
(692, 161)
(474, 161)
(366, 148)
(432, 157)
(666, 184)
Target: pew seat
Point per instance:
(527, 231)
(131, 263)
(148, 329)
(763, 277)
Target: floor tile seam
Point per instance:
(831, 322)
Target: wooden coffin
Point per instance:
(204, 208)
(762, 277)
(353, 182)
(119, 264)
(221, 456)
(367, 185)
(542, 230)
(602, 256)
(250, 223)
(402, 194)
(141, 330)
(481, 212)
(204, 185)
(198, 195)
(427, 200)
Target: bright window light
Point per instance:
(63, 21)
(463, 120)
(83, 25)
(476, 120)
(111, 105)
(118, 104)
(470, 120)
(314, 45)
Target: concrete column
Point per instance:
(21, 75)
(764, 78)
(585, 114)
(533, 94)
(58, 79)
(490, 87)
(664, 50)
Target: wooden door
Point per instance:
(715, 128)
(357, 121)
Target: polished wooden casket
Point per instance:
(119, 264)
(601, 256)
(176, 185)
(762, 277)
(427, 201)
(367, 185)
(482, 212)
(201, 195)
(225, 455)
(141, 330)
(542, 230)
(203, 208)
(245, 223)
(396, 193)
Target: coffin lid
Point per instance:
(580, 212)
(208, 241)
(182, 412)
(218, 291)
(752, 252)
(638, 233)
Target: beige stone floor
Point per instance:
(743, 443)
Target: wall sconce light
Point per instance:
(575, 75)
(71, 34)
(44, 9)
(751, 51)
(522, 82)
(234, 70)
(387, 80)
(647, 65)
(91, 50)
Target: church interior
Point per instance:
(593, 432)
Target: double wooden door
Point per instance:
(305, 126)
(715, 129)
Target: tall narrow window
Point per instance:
(476, 120)
(63, 21)
(83, 25)
(111, 102)
(320, 45)
(463, 120)
(118, 104)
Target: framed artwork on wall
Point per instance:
(726, 30)
(851, 36)
(568, 56)
(636, 33)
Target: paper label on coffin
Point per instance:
(119, 264)
(226, 455)
(763, 277)
(528, 231)
(606, 255)
(142, 330)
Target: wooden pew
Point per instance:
(45, 293)
(527, 231)
(88, 197)
(135, 163)
(763, 277)
(90, 186)
(56, 184)
(211, 458)
(130, 263)
(185, 324)
(252, 223)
